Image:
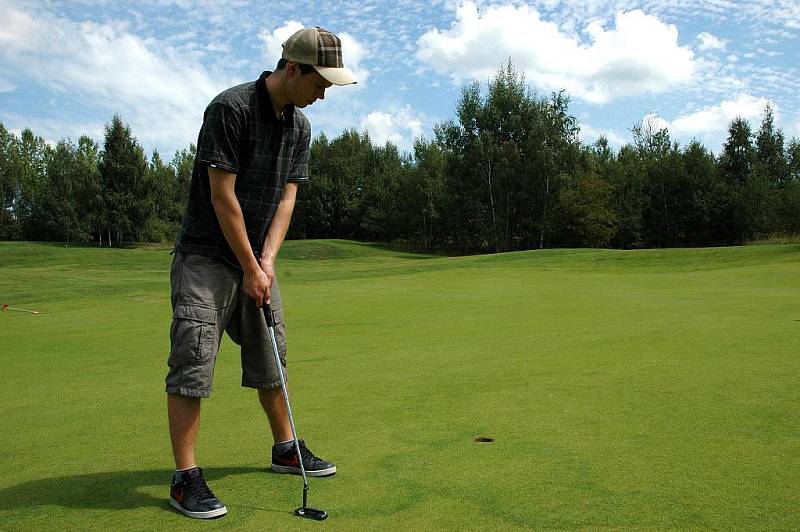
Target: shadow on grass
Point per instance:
(116, 490)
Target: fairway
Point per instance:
(638, 390)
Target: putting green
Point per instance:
(624, 389)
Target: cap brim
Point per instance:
(337, 76)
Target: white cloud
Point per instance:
(639, 55)
(653, 122)
(19, 29)
(274, 39)
(159, 90)
(353, 52)
(713, 121)
(589, 135)
(53, 128)
(711, 42)
(400, 127)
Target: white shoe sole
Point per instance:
(296, 471)
(198, 515)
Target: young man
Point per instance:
(252, 152)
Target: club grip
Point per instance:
(268, 315)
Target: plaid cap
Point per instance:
(322, 50)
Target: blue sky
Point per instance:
(690, 65)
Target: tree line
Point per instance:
(82, 193)
(507, 173)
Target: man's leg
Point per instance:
(189, 492)
(284, 454)
(259, 371)
(203, 289)
(184, 420)
(275, 407)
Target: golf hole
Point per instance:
(483, 439)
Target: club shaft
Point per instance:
(288, 409)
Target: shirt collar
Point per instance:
(265, 102)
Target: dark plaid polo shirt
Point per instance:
(241, 134)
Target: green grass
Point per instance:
(634, 390)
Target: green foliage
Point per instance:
(584, 214)
(89, 196)
(506, 160)
(127, 195)
(78, 193)
(738, 153)
(424, 194)
(30, 207)
(770, 158)
(182, 164)
(507, 173)
(10, 227)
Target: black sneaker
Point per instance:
(190, 495)
(286, 462)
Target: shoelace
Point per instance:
(307, 454)
(199, 489)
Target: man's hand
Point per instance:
(268, 267)
(257, 284)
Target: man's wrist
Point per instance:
(267, 261)
(251, 266)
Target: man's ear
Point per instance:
(292, 68)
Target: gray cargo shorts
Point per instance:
(207, 299)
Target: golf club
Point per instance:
(303, 511)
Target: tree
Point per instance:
(709, 217)
(160, 184)
(123, 170)
(32, 159)
(770, 157)
(346, 163)
(313, 213)
(507, 158)
(381, 218)
(183, 165)
(61, 222)
(665, 186)
(9, 186)
(793, 159)
(584, 215)
(736, 165)
(559, 151)
(88, 193)
(463, 208)
(423, 197)
(738, 154)
(628, 181)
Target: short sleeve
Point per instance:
(298, 172)
(219, 140)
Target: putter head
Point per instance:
(311, 513)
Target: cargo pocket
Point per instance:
(280, 334)
(193, 335)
